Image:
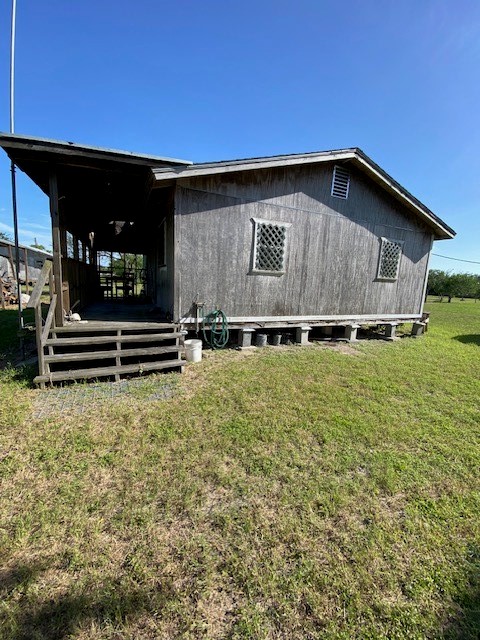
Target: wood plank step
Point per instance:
(100, 327)
(112, 353)
(140, 337)
(102, 372)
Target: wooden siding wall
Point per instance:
(163, 271)
(332, 252)
(35, 262)
(83, 283)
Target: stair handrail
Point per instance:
(35, 302)
(37, 290)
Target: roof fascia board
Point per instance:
(15, 141)
(161, 174)
(23, 246)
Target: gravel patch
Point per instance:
(82, 398)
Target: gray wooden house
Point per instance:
(296, 241)
(31, 262)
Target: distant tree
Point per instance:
(464, 285)
(437, 282)
(37, 245)
(5, 236)
(445, 284)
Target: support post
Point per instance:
(57, 249)
(245, 337)
(390, 329)
(351, 332)
(301, 335)
(418, 329)
(38, 335)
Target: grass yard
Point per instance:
(318, 492)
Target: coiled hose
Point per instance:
(216, 324)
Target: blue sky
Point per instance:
(211, 80)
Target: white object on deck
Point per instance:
(193, 350)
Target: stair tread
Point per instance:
(100, 372)
(100, 327)
(112, 353)
(147, 337)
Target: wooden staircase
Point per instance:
(81, 351)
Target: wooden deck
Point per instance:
(129, 339)
(118, 311)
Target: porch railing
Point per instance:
(42, 328)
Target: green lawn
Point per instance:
(289, 493)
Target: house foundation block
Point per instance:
(390, 329)
(301, 335)
(418, 329)
(245, 337)
(351, 332)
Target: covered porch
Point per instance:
(112, 239)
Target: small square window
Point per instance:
(269, 247)
(389, 260)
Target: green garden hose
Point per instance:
(216, 324)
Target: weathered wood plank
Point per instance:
(57, 250)
(49, 319)
(332, 247)
(39, 285)
(100, 326)
(112, 353)
(102, 372)
(147, 337)
(38, 335)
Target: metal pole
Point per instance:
(17, 248)
(12, 66)
(12, 166)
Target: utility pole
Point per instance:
(12, 165)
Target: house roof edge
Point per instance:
(354, 154)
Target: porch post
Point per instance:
(57, 249)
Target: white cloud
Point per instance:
(27, 237)
(34, 225)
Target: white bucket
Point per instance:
(193, 350)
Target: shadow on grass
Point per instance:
(58, 617)
(466, 624)
(472, 338)
(21, 373)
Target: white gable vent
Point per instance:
(340, 182)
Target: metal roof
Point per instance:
(23, 246)
(14, 140)
(172, 169)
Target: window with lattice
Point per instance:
(269, 247)
(389, 262)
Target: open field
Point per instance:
(319, 492)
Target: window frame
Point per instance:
(264, 272)
(383, 241)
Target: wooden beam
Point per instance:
(57, 251)
(40, 283)
(27, 288)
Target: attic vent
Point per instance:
(340, 182)
(390, 253)
(269, 245)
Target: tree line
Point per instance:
(445, 284)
